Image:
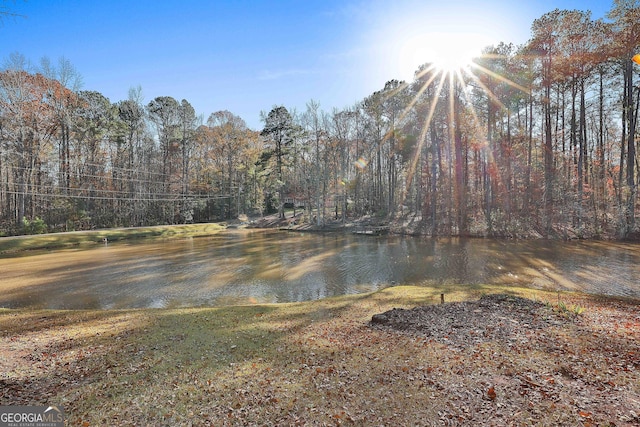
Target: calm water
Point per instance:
(271, 266)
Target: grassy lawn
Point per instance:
(10, 245)
(321, 363)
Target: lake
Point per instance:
(258, 266)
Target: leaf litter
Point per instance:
(501, 360)
(536, 363)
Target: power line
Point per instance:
(177, 197)
(55, 189)
(106, 176)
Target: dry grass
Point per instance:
(321, 363)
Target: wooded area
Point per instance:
(537, 139)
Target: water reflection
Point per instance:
(270, 266)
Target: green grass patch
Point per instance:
(17, 244)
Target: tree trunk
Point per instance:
(631, 151)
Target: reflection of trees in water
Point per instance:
(271, 266)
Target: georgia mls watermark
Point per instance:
(31, 416)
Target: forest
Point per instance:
(536, 140)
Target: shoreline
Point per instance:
(16, 245)
(12, 245)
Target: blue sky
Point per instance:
(247, 56)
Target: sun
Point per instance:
(447, 52)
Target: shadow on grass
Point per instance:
(169, 366)
(82, 359)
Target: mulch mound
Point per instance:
(496, 317)
(536, 363)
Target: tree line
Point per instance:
(537, 139)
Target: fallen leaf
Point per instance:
(491, 393)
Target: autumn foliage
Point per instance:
(531, 140)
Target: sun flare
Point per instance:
(447, 52)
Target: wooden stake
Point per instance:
(441, 298)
